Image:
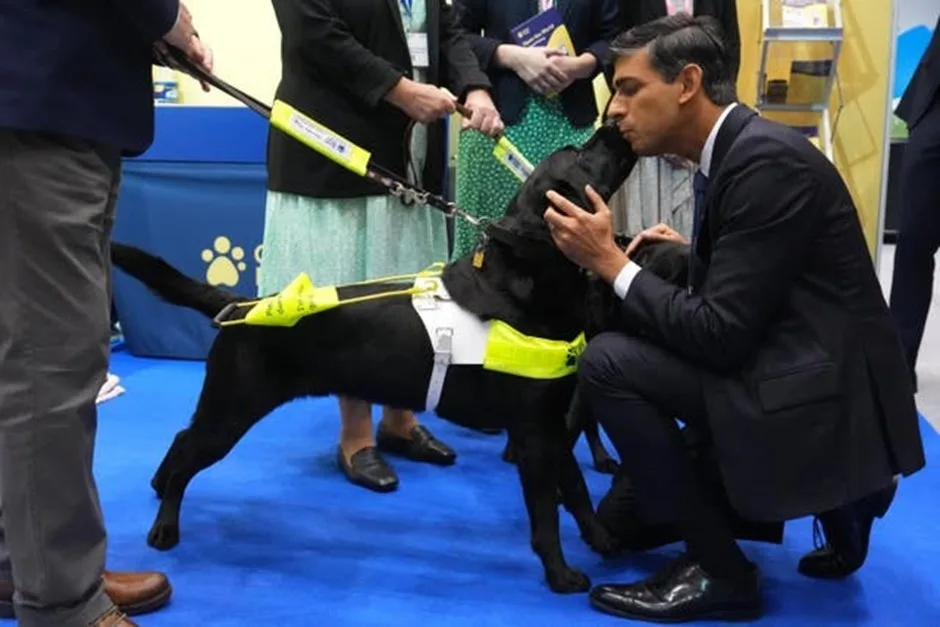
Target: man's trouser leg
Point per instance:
(634, 389)
(919, 234)
(57, 199)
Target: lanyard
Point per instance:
(406, 5)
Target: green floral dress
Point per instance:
(343, 240)
(485, 186)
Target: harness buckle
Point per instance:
(443, 344)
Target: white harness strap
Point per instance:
(443, 353)
(457, 336)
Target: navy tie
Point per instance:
(700, 189)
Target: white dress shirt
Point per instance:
(625, 278)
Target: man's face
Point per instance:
(647, 107)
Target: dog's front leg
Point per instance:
(538, 471)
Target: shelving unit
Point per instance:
(774, 32)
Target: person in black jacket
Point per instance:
(919, 232)
(780, 349)
(368, 70)
(76, 92)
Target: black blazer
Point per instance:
(636, 12)
(81, 68)
(807, 393)
(339, 59)
(923, 92)
(591, 24)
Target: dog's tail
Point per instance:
(170, 284)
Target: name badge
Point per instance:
(418, 46)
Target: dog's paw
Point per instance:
(163, 537)
(568, 581)
(607, 466)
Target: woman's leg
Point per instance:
(359, 459)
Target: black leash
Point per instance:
(397, 186)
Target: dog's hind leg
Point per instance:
(224, 415)
(577, 500)
(538, 472)
(580, 420)
(603, 462)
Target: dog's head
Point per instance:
(525, 280)
(604, 162)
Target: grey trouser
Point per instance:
(57, 198)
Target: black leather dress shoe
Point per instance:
(367, 468)
(842, 536)
(420, 447)
(682, 592)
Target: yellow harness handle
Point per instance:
(301, 298)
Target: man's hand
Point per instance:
(586, 239)
(658, 233)
(534, 66)
(183, 36)
(485, 117)
(421, 102)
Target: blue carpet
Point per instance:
(274, 535)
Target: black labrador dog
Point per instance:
(669, 261)
(379, 351)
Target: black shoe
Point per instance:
(368, 469)
(420, 447)
(842, 536)
(682, 592)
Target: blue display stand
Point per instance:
(196, 198)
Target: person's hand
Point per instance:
(183, 36)
(485, 117)
(421, 102)
(586, 238)
(535, 67)
(658, 233)
(574, 68)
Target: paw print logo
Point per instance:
(226, 262)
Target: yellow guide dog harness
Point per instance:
(457, 336)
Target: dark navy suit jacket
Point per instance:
(923, 91)
(81, 67)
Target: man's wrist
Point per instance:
(611, 265)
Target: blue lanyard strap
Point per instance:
(406, 5)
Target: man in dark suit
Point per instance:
(781, 348)
(75, 92)
(919, 232)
